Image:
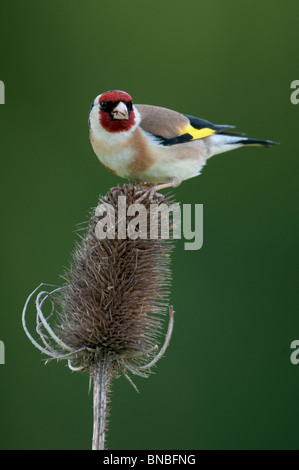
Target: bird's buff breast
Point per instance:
(115, 160)
(144, 161)
(127, 156)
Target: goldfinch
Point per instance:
(155, 145)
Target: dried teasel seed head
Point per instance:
(116, 290)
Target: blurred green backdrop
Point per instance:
(226, 381)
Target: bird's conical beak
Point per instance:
(120, 111)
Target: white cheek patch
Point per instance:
(137, 117)
(106, 137)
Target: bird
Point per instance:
(153, 145)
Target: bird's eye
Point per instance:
(103, 105)
(130, 106)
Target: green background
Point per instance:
(226, 381)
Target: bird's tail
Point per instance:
(247, 141)
(219, 143)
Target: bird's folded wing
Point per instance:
(172, 127)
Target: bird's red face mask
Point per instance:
(116, 112)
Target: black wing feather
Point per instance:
(199, 123)
(180, 139)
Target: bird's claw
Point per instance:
(149, 193)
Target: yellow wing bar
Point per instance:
(198, 133)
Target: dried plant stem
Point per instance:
(101, 378)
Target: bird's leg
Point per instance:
(151, 191)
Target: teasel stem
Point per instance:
(101, 380)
